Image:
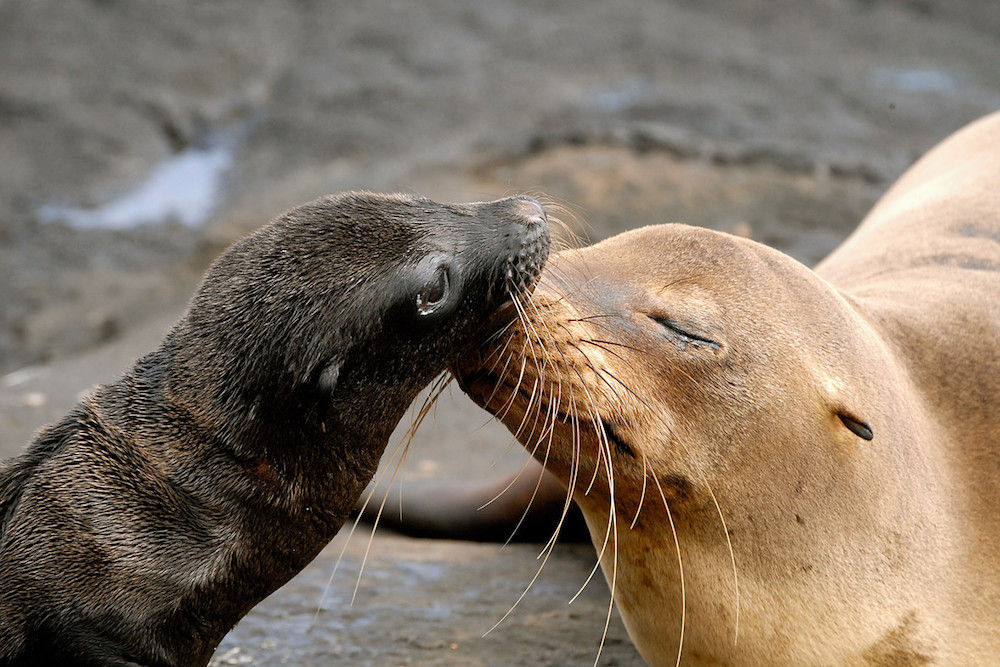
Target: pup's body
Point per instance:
(141, 527)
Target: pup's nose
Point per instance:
(529, 210)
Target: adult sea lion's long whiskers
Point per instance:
(522, 319)
(499, 332)
(592, 408)
(503, 374)
(599, 431)
(732, 558)
(550, 546)
(711, 492)
(573, 475)
(527, 409)
(718, 508)
(522, 315)
(541, 475)
(680, 567)
(519, 472)
(526, 324)
(614, 574)
(513, 394)
(603, 344)
(642, 495)
(554, 345)
(547, 552)
(613, 530)
(603, 374)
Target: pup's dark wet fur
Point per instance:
(141, 527)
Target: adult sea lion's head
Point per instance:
(677, 366)
(678, 347)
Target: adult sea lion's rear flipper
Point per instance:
(464, 511)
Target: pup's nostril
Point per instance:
(531, 211)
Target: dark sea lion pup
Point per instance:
(141, 527)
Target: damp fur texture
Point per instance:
(144, 524)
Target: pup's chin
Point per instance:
(473, 378)
(470, 364)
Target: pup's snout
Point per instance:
(529, 211)
(532, 243)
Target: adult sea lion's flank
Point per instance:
(820, 450)
(142, 526)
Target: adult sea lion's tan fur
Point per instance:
(721, 369)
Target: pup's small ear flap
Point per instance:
(859, 428)
(327, 380)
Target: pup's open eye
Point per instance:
(683, 336)
(434, 293)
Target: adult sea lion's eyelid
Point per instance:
(686, 335)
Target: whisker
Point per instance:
(513, 393)
(570, 277)
(642, 495)
(424, 411)
(711, 492)
(680, 567)
(541, 475)
(601, 451)
(432, 395)
(550, 546)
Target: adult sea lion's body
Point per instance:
(142, 526)
(843, 421)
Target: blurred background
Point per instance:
(138, 139)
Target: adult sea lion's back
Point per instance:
(943, 212)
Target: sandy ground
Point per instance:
(778, 120)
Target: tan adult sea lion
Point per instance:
(827, 441)
(143, 525)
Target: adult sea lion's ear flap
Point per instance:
(859, 428)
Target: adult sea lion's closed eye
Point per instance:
(684, 336)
